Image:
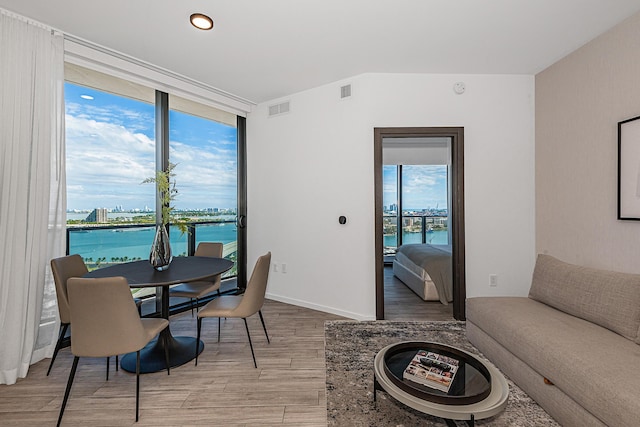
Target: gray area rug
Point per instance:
(350, 348)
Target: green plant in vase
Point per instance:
(160, 256)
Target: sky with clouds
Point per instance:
(110, 150)
(423, 186)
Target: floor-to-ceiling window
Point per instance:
(424, 204)
(111, 148)
(390, 209)
(204, 148)
(416, 193)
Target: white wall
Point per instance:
(309, 166)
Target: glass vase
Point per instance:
(160, 256)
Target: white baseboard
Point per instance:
(318, 307)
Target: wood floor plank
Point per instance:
(281, 398)
(287, 388)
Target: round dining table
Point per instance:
(140, 274)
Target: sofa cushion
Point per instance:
(606, 298)
(594, 366)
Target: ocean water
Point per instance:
(126, 244)
(133, 243)
(435, 237)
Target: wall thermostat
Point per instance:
(459, 88)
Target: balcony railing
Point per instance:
(102, 245)
(415, 229)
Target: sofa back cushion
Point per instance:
(606, 298)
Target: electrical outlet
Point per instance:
(493, 280)
(284, 268)
(275, 267)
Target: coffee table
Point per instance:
(478, 389)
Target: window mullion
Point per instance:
(162, 143)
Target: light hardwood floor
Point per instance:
(287, 388)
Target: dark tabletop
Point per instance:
(140, 274)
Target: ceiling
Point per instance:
(265, 49)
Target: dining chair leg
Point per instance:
(63, 330)
(72, 374)
(108, 358)
(197, 305)
(166, 353)
(263, 326)
(198, 338)
(250, 345)
(137, 384)
(218, 329)
(191, 305)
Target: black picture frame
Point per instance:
(629, 169)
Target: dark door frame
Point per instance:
(457, 209)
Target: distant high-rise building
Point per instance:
(98, 215)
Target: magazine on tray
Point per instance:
(432, 369)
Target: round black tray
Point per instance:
(471, 384)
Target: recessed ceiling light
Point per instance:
(89, 97)
(200, 21)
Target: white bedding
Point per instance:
(415, 269)
(417, 278)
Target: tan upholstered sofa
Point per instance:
(572, 345)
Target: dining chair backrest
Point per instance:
(211, 250)
(104, 318)
(253, 297)
(64, 268)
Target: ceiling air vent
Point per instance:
(345, 91)
(275, 110)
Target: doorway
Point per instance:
(456, 136)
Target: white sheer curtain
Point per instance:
(32, 190)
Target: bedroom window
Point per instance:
(424, 204)
(390, 209)
(416, 193)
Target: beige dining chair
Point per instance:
(241, 306)
(196, 290)
(106, 323)
(63, 269)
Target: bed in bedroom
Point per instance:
(426, 270)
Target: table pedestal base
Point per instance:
(181, 351)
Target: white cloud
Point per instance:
(422, 187)
(109, 155)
